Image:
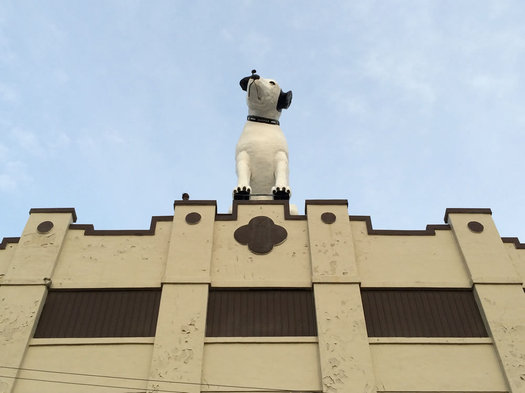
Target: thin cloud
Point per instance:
(350, 104)
(406, 71)
(115, 137)
(13, 176)
(7, 182)
(4, 153)
(28, 141)
(58, 141)
(8, 94)
(493, 85)
(256, 45)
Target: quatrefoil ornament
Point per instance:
(261, 234)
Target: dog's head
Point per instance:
(264, 96)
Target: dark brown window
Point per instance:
(99, 313)
(260, 313)
(422, 313)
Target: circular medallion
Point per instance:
(328, 218)
(44, 227)
(475, 226)
(193, 218)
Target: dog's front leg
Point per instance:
(281, 189)
(243, 173)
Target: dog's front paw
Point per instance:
(241, 193)
(281, 193)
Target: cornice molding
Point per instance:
(7, 240)
(56, 210)
(89, 229)
(429, 231)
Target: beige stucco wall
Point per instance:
(288, 264)
(179, 341)
(122, 360)
(6, 255)
(332, 251)
(19, 311)
(345, 359)
(36, 254)
(283, 366)
(140, 261)
(503, 308)
(409, 261)
(335, 258)
(484, 253)
(437, 368)
(517, 256)
(189, 254)
(112, 261)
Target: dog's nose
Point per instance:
(244, 81)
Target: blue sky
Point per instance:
(404, 108)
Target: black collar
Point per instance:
(260, 119)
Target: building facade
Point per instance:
(262, 300)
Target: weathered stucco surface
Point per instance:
(190, 246)
(19, 310)
(286, 366)
(484, 253)
(37, 253)
(517, 256)
(288, 264)
(6, 256)
(504, 311)
(409, 261)
(437, 368)
(338, 258)
(112, 261)
(331, 245)
(179, 342)
(124, 360)
(346, 364)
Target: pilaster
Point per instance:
(503, 308)
(497, 286)
(345, 359)
(481, 246)
(23, 289)
(331, 244)
(179, 340)
(190, 250)
(39, 247)
(346, 362)
(20, 307)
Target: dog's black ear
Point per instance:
(244, 83)
(285, 99)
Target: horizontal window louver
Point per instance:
(99, 313)
(261, 313)
(422, 313)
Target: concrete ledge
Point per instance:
(91, 341)
(261, 284)
(430, 340)
(265, 340)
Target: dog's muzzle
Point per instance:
(244, 81)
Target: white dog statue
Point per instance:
(262, 151)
